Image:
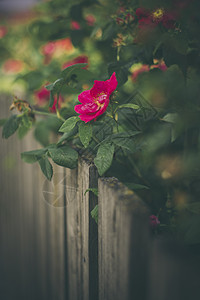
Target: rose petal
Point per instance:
(87, 108)
(85, 97)
(98, 88)
(112, 83)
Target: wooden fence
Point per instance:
(51, 248)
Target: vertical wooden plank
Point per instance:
(17, 226)
(32, 250)
(123, 242)
(81, 238)
(55, 231)
(174, 271)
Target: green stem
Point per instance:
(43, 113)
(113, 115)
(118, 51)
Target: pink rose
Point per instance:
(42, 98)
(75, 25)
(154, 222)
(94, 102)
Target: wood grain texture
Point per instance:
(81, 233)
(32, 249)
(123, 242)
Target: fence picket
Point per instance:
(123, 242)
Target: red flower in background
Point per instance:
(154, 222)
(90, 20)
(94, 102)
(64, 44)
(12, 66)
(159, 64)
(153, 18)
(139, 68)
(3, 31)
(52, 47)
(75, 25)
(42, 97)
(78, 60)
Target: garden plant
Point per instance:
(117, 83)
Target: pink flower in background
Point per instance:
(42, 97)
(154, 222)
(75, 25)
(48, 48)
(78, 60)
(3, 31)
(55, 47)
(90, 20)
(159, 65)
(138, 71)
(64, 44)
(139, 68)
(12, 66)
(144, 17)
(151, 19)
(94, 102)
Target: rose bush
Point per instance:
(147, 132)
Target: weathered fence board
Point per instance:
(32, 236)
(123, 242)
(81, 240)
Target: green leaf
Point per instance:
(129, 105)
(93, 190)
(24, 126)
(64, 156)
(42, 133)
(55, 88)
(10, 126)
(46, 167)
(69, 71)
(170, 117)
(49, 87)
(69, 124)
(32, 156)
(136, 186)
(94, 213)
(109, 31)
(85, 133)
(51, 100)
(104, 157)
(126, 140)
(57, 85)
(67, 135)
(2, 122)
